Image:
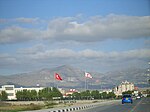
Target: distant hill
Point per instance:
(136, 75)
(74, 78)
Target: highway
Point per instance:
(140, 105)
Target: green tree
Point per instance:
(33, 95)
(104, 95)
(111, 95)
(85, 94)
(18, 95)
(49, 94)
(26, 95)
(127, 92)
(95, 94)
(76, 95)
(3, 96)
(56, 92)
(45, 94)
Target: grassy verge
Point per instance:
(6, 107)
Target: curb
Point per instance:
(73, 108)
(76, 108)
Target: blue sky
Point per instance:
(93, 35)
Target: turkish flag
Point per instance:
(57, 76)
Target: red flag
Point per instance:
(57, 76)
(88, 75)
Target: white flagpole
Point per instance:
(85, 80)
(54, 80)
(87, 84)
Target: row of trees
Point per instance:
(51, 93)
(92, 95)
(44, 94)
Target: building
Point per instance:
(124, 86)
(11, 90)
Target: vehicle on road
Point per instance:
(138, 97)
(127, 98)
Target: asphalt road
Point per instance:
(140, 105)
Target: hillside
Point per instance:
(74, 78)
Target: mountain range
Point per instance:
(74, 78)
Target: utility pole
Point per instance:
(148, 73)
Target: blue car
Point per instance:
(127, 98)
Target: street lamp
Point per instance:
(148, 70)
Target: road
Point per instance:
(140, 105)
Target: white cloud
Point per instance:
(27, 20)
(56, 53)
(97, 28)
(33, 50)
(88, 53)
(17, 34)
(100, 28)
(33, 57)
(7, 60)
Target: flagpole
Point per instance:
(85, 83)
(85, 80)
(87, 75)
(54, 80)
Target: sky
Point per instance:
(93, 35)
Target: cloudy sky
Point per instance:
(93, 35)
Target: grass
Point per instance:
(6, 107)
(49, 104)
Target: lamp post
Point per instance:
(148, 74)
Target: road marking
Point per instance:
(135, 106)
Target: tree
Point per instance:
(45, 94)
(26, 95)
(19, 95)
(49, 94)
(104, 95)
(127, 92)
(3, 96)
(111, 95)
(33, 95)
(56, 92)
(95, 94)
(76, 95)
(85, 94)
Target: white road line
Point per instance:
(136, 106)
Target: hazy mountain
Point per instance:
(74, 78)
(136, 75)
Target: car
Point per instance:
(138, 97)
(127, 98)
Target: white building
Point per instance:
(11, 90)
(124, 86)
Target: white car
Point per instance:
(138, 97)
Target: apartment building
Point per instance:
(124, 86)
